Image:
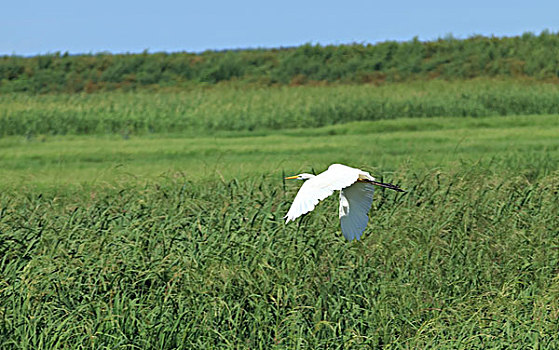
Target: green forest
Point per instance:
(534, 56)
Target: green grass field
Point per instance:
(506, 144)
(175, 239)
(255, 109)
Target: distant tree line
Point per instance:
(528, 55)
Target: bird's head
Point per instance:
(303, 176)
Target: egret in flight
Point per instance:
(356, 196)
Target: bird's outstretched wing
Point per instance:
(355, 203)
(321, 186)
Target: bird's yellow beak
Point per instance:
(291, 177)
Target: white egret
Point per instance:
(356, 196)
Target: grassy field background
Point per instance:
(168, 232)
(205, 111)
(524, 144)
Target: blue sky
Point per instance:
(36, 27)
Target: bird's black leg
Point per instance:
(387, 185)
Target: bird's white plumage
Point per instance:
(355, 198)
(319, 187)
(355, 203)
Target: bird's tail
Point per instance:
(387, 185)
